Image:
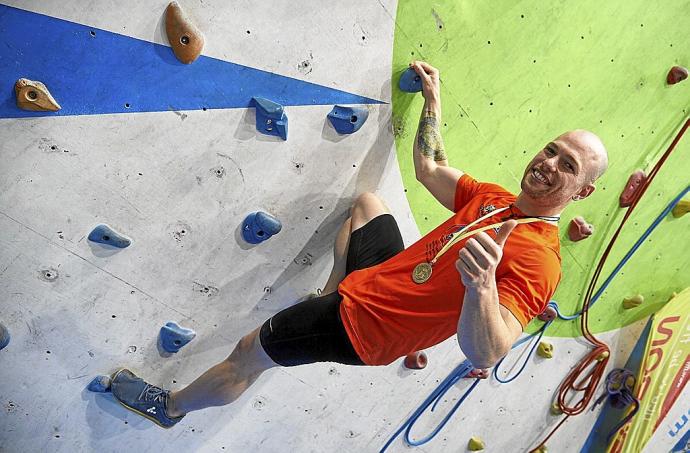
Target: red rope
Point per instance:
(597, 359)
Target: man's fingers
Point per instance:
(423, 69)
(480, 250)
(504, 232)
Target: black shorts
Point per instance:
(312, 331)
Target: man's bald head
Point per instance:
(592, 150)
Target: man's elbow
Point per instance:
(484, 359)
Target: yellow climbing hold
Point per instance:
(475, 444)
(632, 302)
(556, 409)
(541, 449)
(602, 356)
(545, 350)
(33, 95)
(682, 208)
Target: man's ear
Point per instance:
(585, 192)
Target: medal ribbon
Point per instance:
(463, 233)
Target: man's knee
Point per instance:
(368, 206)
(249, 355)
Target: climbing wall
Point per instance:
(169, 155)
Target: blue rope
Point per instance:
(465, 367)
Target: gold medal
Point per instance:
(421, 273)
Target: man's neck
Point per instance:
(530, 208)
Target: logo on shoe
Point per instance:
(151, 410)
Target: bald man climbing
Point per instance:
(481, 275)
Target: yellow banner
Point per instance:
(662, 376)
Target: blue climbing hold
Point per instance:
(270, 118)
(347, 120)
(100, 384)
(103, 234)
(4, 336)
(410, 82)
(173, 337)
(259, 226)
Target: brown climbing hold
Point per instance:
(682, 208)
(475, 444)
(676, 74)
(185, 38)
(579, 229)
(33, 95)
(632, 302)
(635, 181)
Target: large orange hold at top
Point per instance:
(185, 38)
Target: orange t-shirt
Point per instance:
(386, 315)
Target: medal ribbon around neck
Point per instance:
(422, 271)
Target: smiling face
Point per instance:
(565, 168)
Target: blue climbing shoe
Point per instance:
(144, 399)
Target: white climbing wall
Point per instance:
(179, 184)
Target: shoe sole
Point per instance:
(143, 414)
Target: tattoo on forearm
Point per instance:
(429, 138)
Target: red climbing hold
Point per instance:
(676, 74)
(549, 313)
(416, 361)
(635, 181)
(478, 373)
(579, 229)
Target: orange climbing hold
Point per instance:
(185, 38)
(34, 96)
(635, 181)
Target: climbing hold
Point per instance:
(635, 181)
(475, 444)
(682, 208)
(478, 373)
(270, 118)
(556, 409)
(173, 337)
(545, 350)
(602, 356)
(185, 38)
(100, 384)
(409, 81)
(103, 234)
(33, 95)
(416, 361)
(4, 336)
(347, 120)
(673, 294)
(549, 313)
(259, 226)
(676, 74)
(632, 302)
(541, 449)
(579, 229)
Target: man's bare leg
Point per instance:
(226, 381)
(367, 206)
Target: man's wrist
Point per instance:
(433, 105)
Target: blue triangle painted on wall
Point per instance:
(91, 71)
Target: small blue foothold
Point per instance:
(410, 82)
(270, 118)
(347, 120)
(100, 384)
(173, 337)
(4, 336)
(259, 226)
(103, 234)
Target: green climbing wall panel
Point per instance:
(517, 74)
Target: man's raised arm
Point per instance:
(430, 160)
